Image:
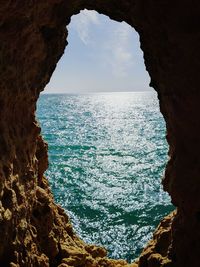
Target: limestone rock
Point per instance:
(34, 231)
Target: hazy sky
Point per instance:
(102, 55)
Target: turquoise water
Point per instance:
(107, 155)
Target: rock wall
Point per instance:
(34, 231)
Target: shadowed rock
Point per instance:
(34, 231)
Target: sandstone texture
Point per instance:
(34, 231)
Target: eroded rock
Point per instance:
(34, 231)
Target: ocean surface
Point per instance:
(107, 154)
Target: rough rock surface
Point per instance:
(34, 231)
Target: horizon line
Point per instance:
(90, 92)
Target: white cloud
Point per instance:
(118, 50)
(82, 23)
(113, 48)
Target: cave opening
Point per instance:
(107, 150)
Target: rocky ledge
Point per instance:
(34, 231)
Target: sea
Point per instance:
(107, 155)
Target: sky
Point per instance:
(102, 56)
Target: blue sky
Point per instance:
(102, 56)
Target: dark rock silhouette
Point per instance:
(34, 231)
